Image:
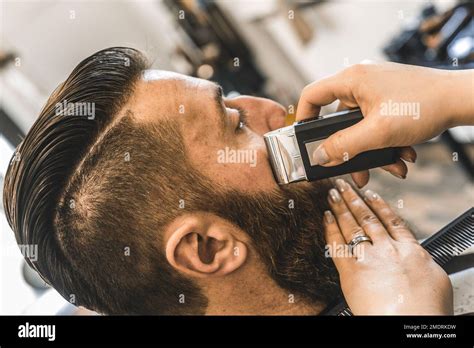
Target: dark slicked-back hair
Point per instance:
(82, 189)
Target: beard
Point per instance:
(286, 228)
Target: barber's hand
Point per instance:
(435, 100)
(394, 275)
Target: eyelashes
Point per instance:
(219, 93)
(242, 119)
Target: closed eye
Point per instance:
(242, 119)
(218, 99)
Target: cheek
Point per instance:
(255, 173)
(239, 163)
(263, 167)
(251, 175)
(245, 178)
(246, 170)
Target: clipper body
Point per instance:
(290, 148)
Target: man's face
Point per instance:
(218, 141)
(284, 223)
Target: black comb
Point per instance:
(443, 246)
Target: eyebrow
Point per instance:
(218, 94)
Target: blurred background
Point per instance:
(270, 48)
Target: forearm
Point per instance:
(459, 98)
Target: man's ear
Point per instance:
(204, 245)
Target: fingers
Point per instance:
(349, 142)
(335, 240)
(395, 225)
(352, 213)
(360, 214)
(408, 154)
(343, 106)
(398, 169)
(361, 178)
(348, 225)
(317, 94)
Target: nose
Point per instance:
(263, 115)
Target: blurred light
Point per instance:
(6, 153)
(211, 51)
(232, 94)
(461, 48)
(205, 71)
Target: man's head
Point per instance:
(163, 202)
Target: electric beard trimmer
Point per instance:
(290, 149)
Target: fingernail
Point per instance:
(341, 185)
(328, 217)
(334, 195)
(371, 195)
(410, 159)
(400, 176)
(320, 156)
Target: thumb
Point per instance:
(347, 143)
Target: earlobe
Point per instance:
(205, 247)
